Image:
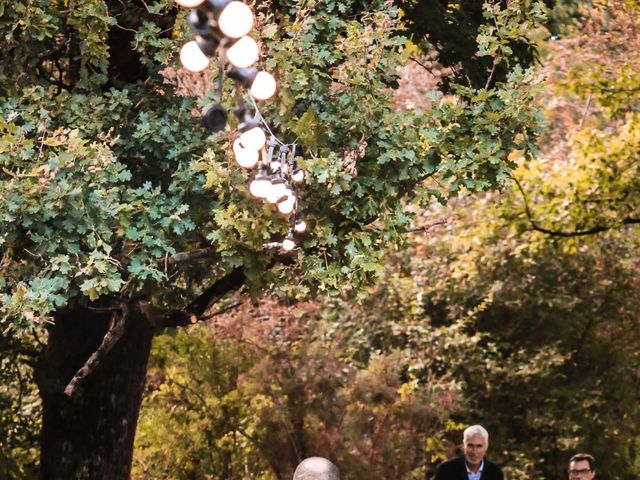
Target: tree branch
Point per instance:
(191, 255)
(229, 283)
(564, 233)
(414, 59)
(112, 336)
(223, 310)
(427, 227)
(585, 111)
(195, 311)
(491, 74)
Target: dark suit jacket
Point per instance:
(456, 470)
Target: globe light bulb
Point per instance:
(298, 176)
(277, 190)
(300, 226)
(253, 139)
(192, 57)
(243, 53)
(287, 206)
(246, 158)
(288, 244)
(259, 186)
(235, 20)
(263, 86)
(189, 3)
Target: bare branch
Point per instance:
(191, 255)
(221, 311)
(585, 111)
(115, 331)
(414, 59)
(491, 74)
(564, 233)
(427, 227)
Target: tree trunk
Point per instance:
(90, 435)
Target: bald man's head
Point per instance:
(316, 468)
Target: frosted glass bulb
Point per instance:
(259, 187)
(287, 206)
(246, 158)
(276, 192)
(288, 244)
(263, 86)
(189, 3)
(192, 57)
(298, 176)
(253, 139)
(235, 20)
(300, 226)
(243, 53)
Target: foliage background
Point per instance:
(498, 311)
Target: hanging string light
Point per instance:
(221, 29)
(289, 242)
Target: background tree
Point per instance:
(588, 160)
(544, 314)
(575, 291)
(268, 385)
(19, 410)
(120, 216)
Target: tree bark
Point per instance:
(90, 434)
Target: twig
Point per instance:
(491, 74)
(186, 256)
(414, 59)
(586, 110)
(427, 227)
(221, 311)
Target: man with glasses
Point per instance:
(582, 466)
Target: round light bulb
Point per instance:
(192, 57)
(189, 3)
(276, 192)
(288, 244)
(300, 226)
(235, 20)
(298, 176)
(287, 206)
(259, 187)
(263, 86)
(253, 139)
(246, 158)
(243, 53)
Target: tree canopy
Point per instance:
(107, 176)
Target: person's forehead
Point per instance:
(579, 464)
(475, 439)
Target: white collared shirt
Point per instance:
(476, 475)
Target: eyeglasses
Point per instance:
(579, 473)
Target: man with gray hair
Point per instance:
(316, 468)
(471, 465)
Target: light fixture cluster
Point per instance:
(221, 28)
(274, 182)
